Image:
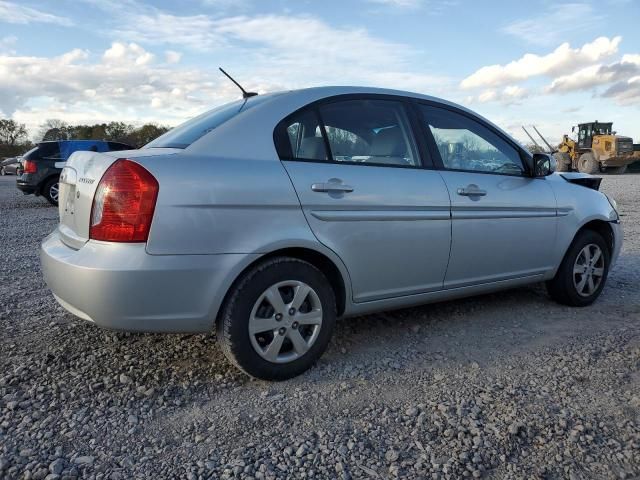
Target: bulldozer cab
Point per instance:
(586, 132)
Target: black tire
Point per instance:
(563, 162)
(562, 287)
(49, 191)
(233, 323)
(2, 172)
(587, 163)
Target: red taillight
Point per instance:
(123, 204)
(29, 166)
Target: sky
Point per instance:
(549, 63)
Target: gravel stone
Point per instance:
(56, 466)
(508, 385)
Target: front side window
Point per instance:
(465, 144)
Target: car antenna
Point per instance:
(245, 94)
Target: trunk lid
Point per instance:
(78, 184)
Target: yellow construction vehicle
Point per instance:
(598, 149)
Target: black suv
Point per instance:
(39, 171)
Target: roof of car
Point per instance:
(328, 91)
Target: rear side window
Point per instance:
(184, 135)
(375, 132)
(367, 131)
(304, 138)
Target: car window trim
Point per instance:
(282, 143)
(436, 153)
(325, 138)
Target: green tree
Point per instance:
(12, 133)
(118, 131)
(54, 129)
(143, 135)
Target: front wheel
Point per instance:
(583, 271)
(2, 171)
(51, 190)
(278, 319)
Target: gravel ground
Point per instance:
(509, 385)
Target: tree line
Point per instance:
(14, 138)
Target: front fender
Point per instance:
(577, 206)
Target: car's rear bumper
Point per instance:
(120, 286)
(26, 188)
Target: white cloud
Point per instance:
(121, 84)
(270, 44)
(621, 76)
(581, 80)
(625, 92)
(487, 96)
(556, 23)
(507, 96)
(281, 38)
(515, 92)
(130, 53)
(563, 59)
(283, 50)
(274, 53)
(197, 32)
(172, 56)
(11, 12)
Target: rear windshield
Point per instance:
(184, 135)
(115, 146)
(48, 150)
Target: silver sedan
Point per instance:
(292, 209)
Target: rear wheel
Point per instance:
(51, 190)
(587, 163)
(278, 319)
(583, 271)
(2, 171)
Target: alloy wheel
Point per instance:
(588, 270)
(285, 321)
(54, 191)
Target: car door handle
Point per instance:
(471, 191)
(331, 187)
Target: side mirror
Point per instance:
(543, 164)
(573, 129)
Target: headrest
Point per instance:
(388, 143)
(312, 148)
